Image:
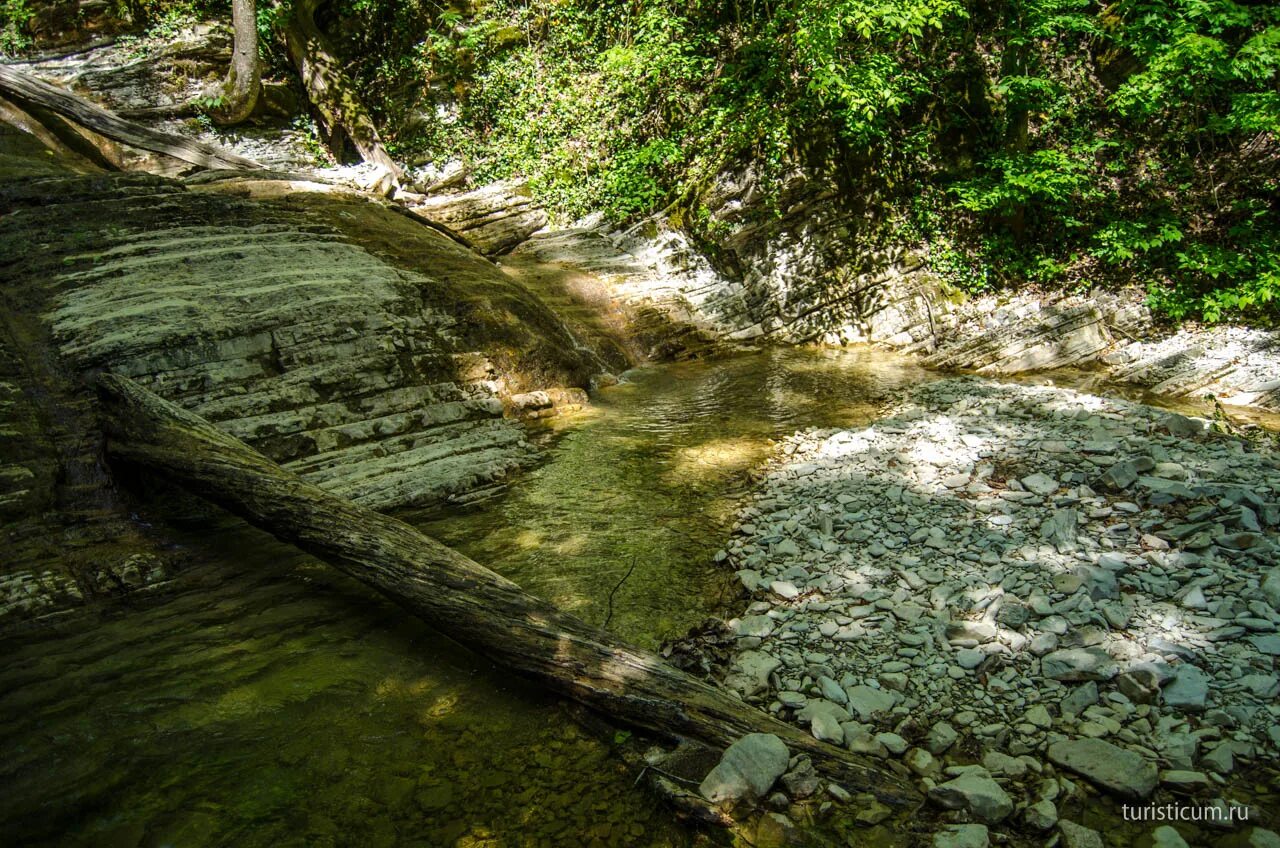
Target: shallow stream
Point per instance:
(274, 702)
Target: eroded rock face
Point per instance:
(494, 218)
(368, 353)
(1055, 337)
(814, 273)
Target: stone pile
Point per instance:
(1015, 591)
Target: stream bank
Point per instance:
(1039, 603)
(250, 706)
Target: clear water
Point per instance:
(650, 477)
(274, 702)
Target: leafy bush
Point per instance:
(1063, 142)
(14, 17)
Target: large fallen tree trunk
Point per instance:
(330, 90)
(28, 90)
(461, 598)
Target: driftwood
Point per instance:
(28, 90)
(461, 598)
(331, 92)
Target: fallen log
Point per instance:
(331, 92)
(461, 598)
(29, 90)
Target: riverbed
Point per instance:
(272, 701)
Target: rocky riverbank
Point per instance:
(1024, 597)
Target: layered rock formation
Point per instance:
(811, 270)
(372, 354)
(1235, 364)
(1053, 337)
(648, 291)
(493, 219)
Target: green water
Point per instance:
(273, 702)
(640, 489)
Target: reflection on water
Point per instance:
(278, 703)
(651, 475)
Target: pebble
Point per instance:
(1057, 577)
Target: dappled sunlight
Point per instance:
(964, 554)
(715, 458)
(440, 708)
(399, 687)
(653, 481)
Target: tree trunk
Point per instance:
(332, 95)
(244, 77)
(461, 598)
(28, 90)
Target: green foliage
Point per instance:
(1124, 241)
(305, 130)
(1050, 179)
(14, 17)
(1066, 143)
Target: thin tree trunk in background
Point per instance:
(244, 77)
(459, 597)
(331, 92)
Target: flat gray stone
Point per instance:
(1166, 837)
(866, 702)
(1109, 766)
(976, 793)
(1188, 692)
(962, 836)
(1078, 836)
(941, 737)
(1041, 484)
(1269, 645)
(747, 770)
(1042, 815)
(749, 673)
(1271, 588)
(1078, 664)
(754, 625)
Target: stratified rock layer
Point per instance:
(367, 352)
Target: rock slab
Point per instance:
(1111, 767)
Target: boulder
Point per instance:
(747, 770)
